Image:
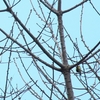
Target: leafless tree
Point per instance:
(34, 56)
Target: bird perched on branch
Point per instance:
(78, 69)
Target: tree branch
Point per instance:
(28, 51)
(31, 35)
(74, 6)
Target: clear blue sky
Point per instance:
(71, 20)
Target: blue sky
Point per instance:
(71, 20)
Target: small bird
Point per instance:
(78, 69)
